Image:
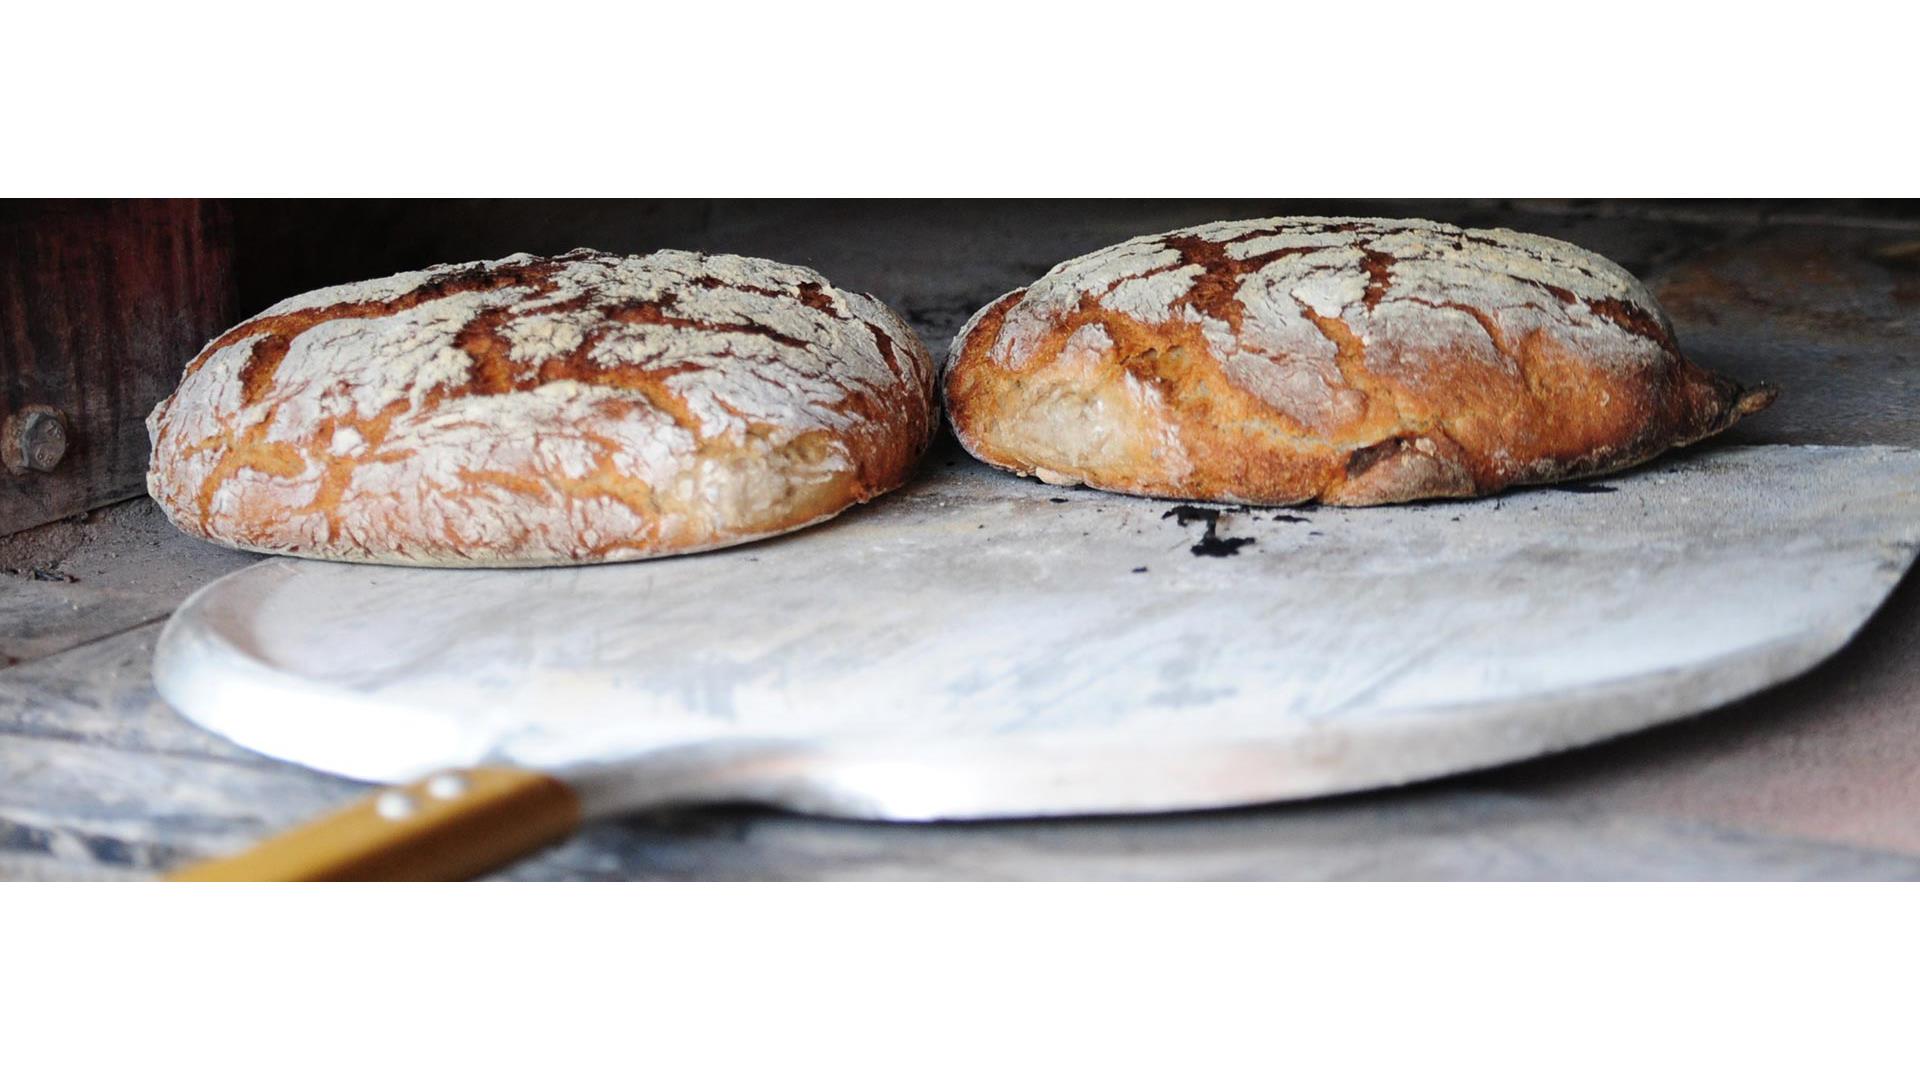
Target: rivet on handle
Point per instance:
(447, 785)
(395, 805)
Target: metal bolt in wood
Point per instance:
(33, 439)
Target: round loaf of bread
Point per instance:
(1350, 361)
(544, 411)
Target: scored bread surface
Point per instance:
(544, 411)
(1347, 360)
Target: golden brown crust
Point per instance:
(1349, 361)
(527, 411)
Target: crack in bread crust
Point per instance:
(1346, 360)
(544, 411)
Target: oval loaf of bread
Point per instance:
(543, 411)
(1347, 360)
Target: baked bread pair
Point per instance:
(597, 408)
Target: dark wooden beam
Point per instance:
(102, 302)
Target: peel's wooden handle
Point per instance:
(452, 825)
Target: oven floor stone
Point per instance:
(1813, 779)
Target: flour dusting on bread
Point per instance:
(1312, 349)
(530, 411)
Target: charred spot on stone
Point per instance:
(1581, 487)
(1211, 542)
(1219, 547)
(1187, 515)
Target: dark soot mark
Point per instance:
(46, 573)
(1220, 547)
(1139, 569)
(1187, 515)
(1056, 499)
(1211, 543)
(1288, 517)
(1579, 487)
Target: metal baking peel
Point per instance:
(978, 645)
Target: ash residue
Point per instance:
(1220, 546)
(1187, 515)
(1211, 542)
(50, 572)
